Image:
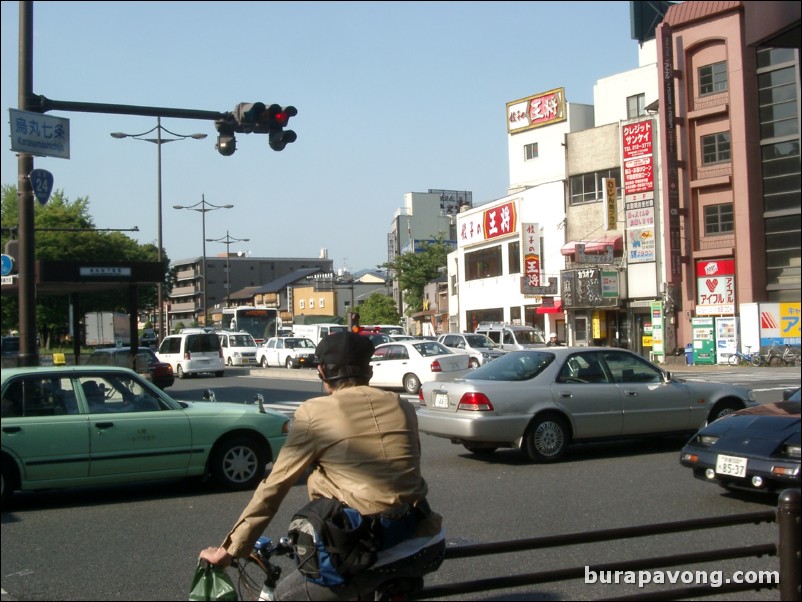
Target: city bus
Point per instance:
(260, 322)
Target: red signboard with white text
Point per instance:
(715, 287)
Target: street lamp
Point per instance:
(158, 141)
(203, 208)
(227, 240)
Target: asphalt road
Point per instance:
(140, 542)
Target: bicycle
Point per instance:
(258, 576)
(788, 357)
(743, 359)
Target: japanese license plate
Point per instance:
(440, 400)
(732, 466)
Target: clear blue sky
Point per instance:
(392, 97)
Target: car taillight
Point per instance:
(436, 367)
(187, 355)
(421, 399)
(220, 353)
(475, 402)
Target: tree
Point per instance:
(378, 309)
(416, 270)
(66, 232)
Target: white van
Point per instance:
(239, 348)
(192, 352)
(315, 332)
(511, 337)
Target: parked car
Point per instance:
(193, 352)
(96, 425)
(407, 364)
(512, 337)
(541, 400)
(289, 352)
(147, 364)
(239, 348)
(480, 347)
(377, 338)
(757, 448)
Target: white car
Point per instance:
(408, 364)
(290, 352)
(480, 347)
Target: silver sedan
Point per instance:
(541, 400)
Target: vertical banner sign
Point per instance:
(531, 258)
(672, 174)
(610, 203)
(656, 308)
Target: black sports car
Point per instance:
(755, 448)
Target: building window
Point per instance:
(301, 304)
(718, 219)
(716, 148)
(485, 263)
(311, 304)
(713, 78)
(779, 107)
(636, 106)
(514, 257)
(530, 151)
(589, 187)
(321, 303)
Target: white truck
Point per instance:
(511, 337)
(315, 332)
(106, 329)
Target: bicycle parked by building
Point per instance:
(744, 359)
(788, 357)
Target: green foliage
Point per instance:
(378, 309)
(416, 270)
(65, 231)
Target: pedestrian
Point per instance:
(553, 341)
(362, 447)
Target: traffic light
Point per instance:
(258, 118)
(226, 141)
(353, 322)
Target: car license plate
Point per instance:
(731, 466)
(440, 400)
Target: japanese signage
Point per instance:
(715, 287)
(656, 308)
(530, 249)
(638, 189)
(589, 288)
(500, 220)
(39, 134)
(640, 245)
(780, 323)
(610, 199)
(536, 111)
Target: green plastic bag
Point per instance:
(211, 582)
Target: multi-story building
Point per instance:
(223, 274)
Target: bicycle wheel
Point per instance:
(251, 575)
(756, 360)
(733, 360)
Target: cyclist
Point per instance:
(362, 447)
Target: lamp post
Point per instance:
(227, 240)
(158, 141)
(203, 208)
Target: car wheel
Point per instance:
(219, 373)
(288, 363)
(547, 439)
(479, 450)
(474, 363)
(179, 372)
(264, 362)
(411, 384)
(239, 463)
(723, 409)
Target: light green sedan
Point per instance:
(98, 425)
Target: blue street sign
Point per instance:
(42, 184)
(7, 265)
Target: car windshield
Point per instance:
(480, 341)
(241, 340)
(517, 365)
(428, 348)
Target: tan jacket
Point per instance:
(364, 449)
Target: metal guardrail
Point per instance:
(787, 549)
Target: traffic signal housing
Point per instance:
(353, 322)
(226, 141)
(259, 118)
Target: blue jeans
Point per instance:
(362, 586)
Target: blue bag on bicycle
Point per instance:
(332, 542)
